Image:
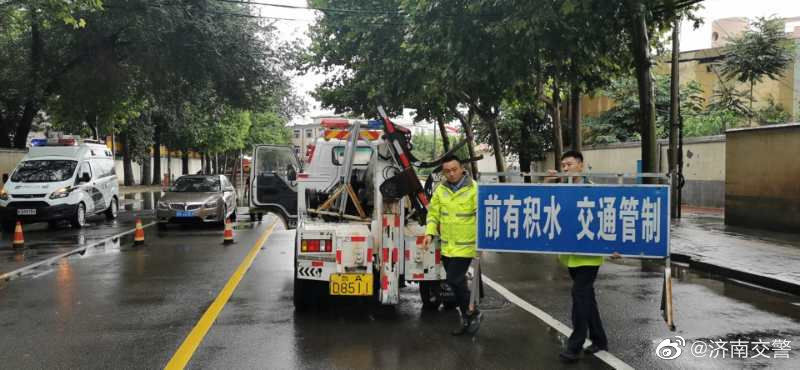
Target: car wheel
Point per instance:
(233, 216)
(224, 217)
(79, 219)
(113, 209)
(260, 217)
(252, 216)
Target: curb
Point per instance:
(765, 281)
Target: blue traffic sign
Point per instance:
(592, 219)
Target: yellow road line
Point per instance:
(195, 337)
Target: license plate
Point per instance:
(183, 214)
(26, 212)
(351, 284)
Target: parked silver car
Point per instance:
(197, 199)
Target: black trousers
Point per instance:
(585, 316)
(456, 268)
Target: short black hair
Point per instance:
(450, 158)
(574, 154)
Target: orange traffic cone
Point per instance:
(19, 240)
(138, 235)
(228, 235)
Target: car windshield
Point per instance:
(44, 171)
(196, 184)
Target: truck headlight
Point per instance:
(163, 205)
(62, 193)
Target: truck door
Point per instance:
(274, 186)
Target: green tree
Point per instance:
(620, 123)
(763, 50)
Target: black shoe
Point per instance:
(568, 357)
(594, 349)
(474, 322)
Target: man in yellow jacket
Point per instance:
(452, 216)
(583, 270)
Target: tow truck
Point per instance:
(359, 210)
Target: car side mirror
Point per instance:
(5, 178)
(85, 177)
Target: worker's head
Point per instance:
(572, 161)
(452, 169)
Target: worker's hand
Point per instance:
(426, 242)
(616, 256)
(551, 178)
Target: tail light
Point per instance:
(316, 245)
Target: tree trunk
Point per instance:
(157, 175)
(5, 131)
(127, 166)
(525, 153)
(31, 104)
(751, 113)
(24, 125)
(558, 144)
(647, 118)
(674, 112)
(575, 116)
(208, 163)
(499, 161)
(466, 124)
(146, 180)
(169, 165)
(185, 161)
(443, 131)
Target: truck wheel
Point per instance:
(429, 294)
(79, 219)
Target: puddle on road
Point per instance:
(760, 297)
(142, 201)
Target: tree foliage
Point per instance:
(761, 51)
(620, 123)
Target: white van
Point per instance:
(61, 179)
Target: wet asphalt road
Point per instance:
(120, 306)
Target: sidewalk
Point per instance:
(766, 258)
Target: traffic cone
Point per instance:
(19, 240)
(138, 235)
(228, 235)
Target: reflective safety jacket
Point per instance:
(577, 260)
(451, 215)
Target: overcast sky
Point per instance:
(691, 39)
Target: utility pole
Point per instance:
(674, 119)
